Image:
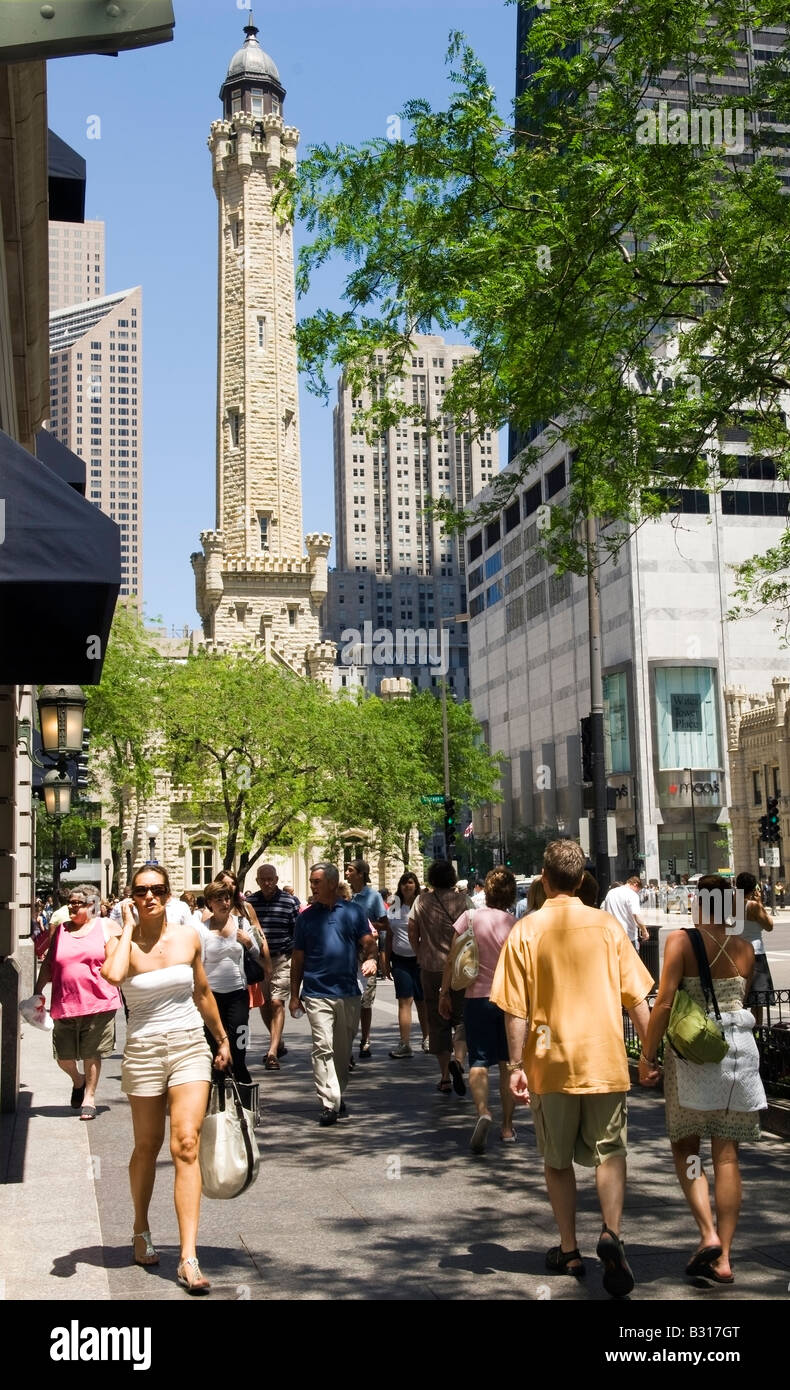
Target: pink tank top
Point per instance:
(77, 987)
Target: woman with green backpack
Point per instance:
(712, 974)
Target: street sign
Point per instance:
(772, 856)
(432, 800)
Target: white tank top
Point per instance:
(160, 1001)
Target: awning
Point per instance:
(68, 466)
(66, 173)
(60, 573)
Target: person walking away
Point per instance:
(564, 976)
(277, 912)
(83, 1005)
(431, 933)
(484, 1023)
(372, 904)
(328, 938)
(734, 1080)
(399, 963)
(623, 903)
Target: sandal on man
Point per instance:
(88, 1112)
(270, 1063)
(559, 1261)
(151, 1255)
(190, 1277)
(702, 1259)
(618, 1279)
(77, 1093)
(457, 1077)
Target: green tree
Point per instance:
(633, 296)
(123, 715)
(73, 834)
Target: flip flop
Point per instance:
(708, 1272)
(88, 1112)
(509, 1138)
(618, 1279)
(457, 1077)
(77, 1092)
(703, 1258)
(480, 1134)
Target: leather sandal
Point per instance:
(189, 1275)
(151, 1256)
(559, 1261)
(618, 1279)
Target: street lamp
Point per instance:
(152, 831)
(61, 715)
(57, 792)
(127, 849)
(107, 867)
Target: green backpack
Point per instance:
(693, 1035)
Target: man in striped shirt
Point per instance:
(277, 912)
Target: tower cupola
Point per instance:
(252, 83)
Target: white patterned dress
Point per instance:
(740, 1125)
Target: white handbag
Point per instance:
(734, 1083)
(466, 966)
(228, 1155)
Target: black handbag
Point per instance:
(253, 970)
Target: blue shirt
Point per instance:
(330, 940)
(371, 902)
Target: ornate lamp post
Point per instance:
(152, 831)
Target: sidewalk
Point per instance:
(386, 1205)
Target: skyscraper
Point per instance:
(96, 410)
(254, 585)
(76, 263)
(395, 566)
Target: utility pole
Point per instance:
(600, 845)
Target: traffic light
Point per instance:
(763, 827)
(773, 820)
(672, 866)
(691, 859)
(449, 826)
(587, 748)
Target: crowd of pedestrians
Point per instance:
(544, 1008)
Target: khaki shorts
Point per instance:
(156, 1061)
(280, 984)
(91, 1035)
(580, 1129)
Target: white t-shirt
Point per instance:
(623, 903)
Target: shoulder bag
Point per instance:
(466, 965)
(254, 972)
(692, 1033)
(228, 1154)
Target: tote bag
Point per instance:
(228, 1156)
(466, 966)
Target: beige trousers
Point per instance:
(333, 1023)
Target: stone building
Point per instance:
(758, 743)
(255, 585)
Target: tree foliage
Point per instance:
(631, 296)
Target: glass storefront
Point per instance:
(686, 725)
(617, 747)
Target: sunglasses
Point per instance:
(158, 890)
(75, 907)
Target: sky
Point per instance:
(347, 66)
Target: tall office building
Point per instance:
(96, 410)
(76, 263)
(255, 587)
(396, 569)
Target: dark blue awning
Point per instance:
(68, 466)
(60, 573)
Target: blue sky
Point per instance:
(347, 65)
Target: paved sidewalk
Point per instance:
(389, 1204)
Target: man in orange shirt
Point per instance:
(563, 978)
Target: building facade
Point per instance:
(668, 653)
(76, 263)
(399, 579)
(758, 740)
(255, 586)
(96, 409)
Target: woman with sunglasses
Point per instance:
(166, 1062)
(83, 1005)
(224, 940)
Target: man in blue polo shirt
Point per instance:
(328, 939)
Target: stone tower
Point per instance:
(255, 587)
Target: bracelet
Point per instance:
(223, 1039)
(443, 992)
(514, 1066)
(647, 1060)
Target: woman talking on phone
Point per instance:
(166, 1060)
